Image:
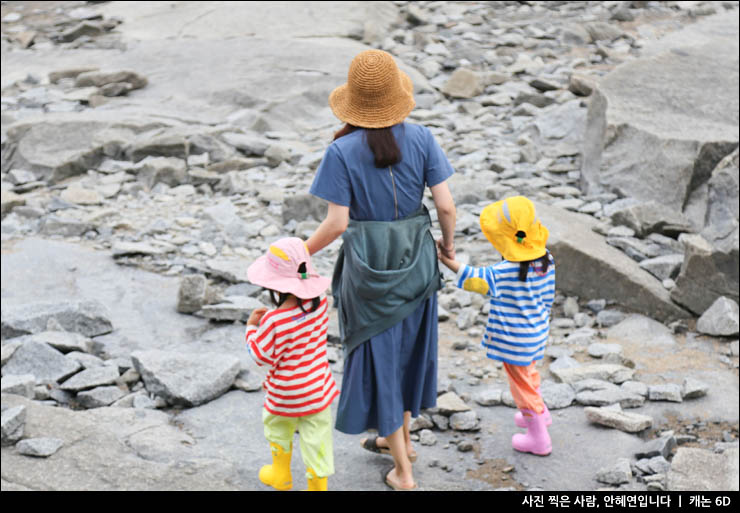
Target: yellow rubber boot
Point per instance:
(278, 474)
(316, 484)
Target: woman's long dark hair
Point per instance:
(381, 141)
(544, 264)
(283, 296)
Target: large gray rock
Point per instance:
(663, 267)
(656, 129)
(42, 361)
(463, 83)
(192, 294)
(20, 385)
(61, 145)
(652, 217)
(593, 392)
(647, 331)
(89, 318)
(619, 473)
(721, 319)
(186, 379)
(722, 212)
(590, 268)
(139, 449)
(99, 397)
(450, 403)
(707, 273)
(696, 470)
(63, 341)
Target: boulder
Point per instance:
(692, 388)
(707, 273)
(647, 331)
(663, 267)
(450, 403)
(89, 318)
(619, 473)
(186, 379)
(652, 217)
(721, 319)
(655, 128)
(63, 341)
(590, 268)
(192, 294)
(463, 83)
(99, 397)
(665, 392)
(20, 385)
(42, 361)
(13, 420)
(701, 470)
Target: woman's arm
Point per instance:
(446, 214)
(333, 225)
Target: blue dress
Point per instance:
(396, 370)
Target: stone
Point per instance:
(81, 196)
(635, 388)
(91, 378)
(63, 341)
(601, 393)
(589, 268)
(192, 294)
(465, 421)
(116, 89)
(488, 397)
(677, 149)
(720, 222)
(167, 170)
(9, 200)
(85, 28)
(99, 397)
(101, 78)
(564, 122)
(639, 327)
(620, 473)
(427, 437)
(23, 384)
(39, 447)
(658, 447)
(450, 403)
(89, 318)
(302, 207)
(186, 379)
(708, 272)
(663, 267)
(42, 361)
(419, 423)
(701, 470)
(86, 360)
(557, 395)
(600, 350)
(607, 318)
(665, 392)
(617, 419)
(564, 362)
(53, 225)
(604, 371)
(721, 319)
(601, 31)
(692, 388)
(652, 217)
(12, 421)
(463, 83)
(8, 349)
(235, 308)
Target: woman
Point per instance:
(373, 176)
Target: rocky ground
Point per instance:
(150, 154)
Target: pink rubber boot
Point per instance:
(519, 419)
(537, 440)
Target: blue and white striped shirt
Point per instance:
(519, 313)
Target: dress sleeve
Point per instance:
(331, 182)
(481, 280)
(260, 342)
(437, 168)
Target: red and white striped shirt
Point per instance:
(293, 344)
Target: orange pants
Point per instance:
(523, 383)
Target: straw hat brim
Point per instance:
(376, 117)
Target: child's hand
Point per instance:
(449, 262)
(256, 316)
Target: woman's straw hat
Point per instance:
(377, 94)
(513, 228)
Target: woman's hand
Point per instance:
(453, 264)
(256, 316)
(448, 251)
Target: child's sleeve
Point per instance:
(260, 342)
(477, 279)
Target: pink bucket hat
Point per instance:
(278, 270)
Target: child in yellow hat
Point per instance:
(521, 289)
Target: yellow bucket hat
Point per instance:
(513, 228)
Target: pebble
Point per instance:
(39, 447)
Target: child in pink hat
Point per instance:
(291, 340)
